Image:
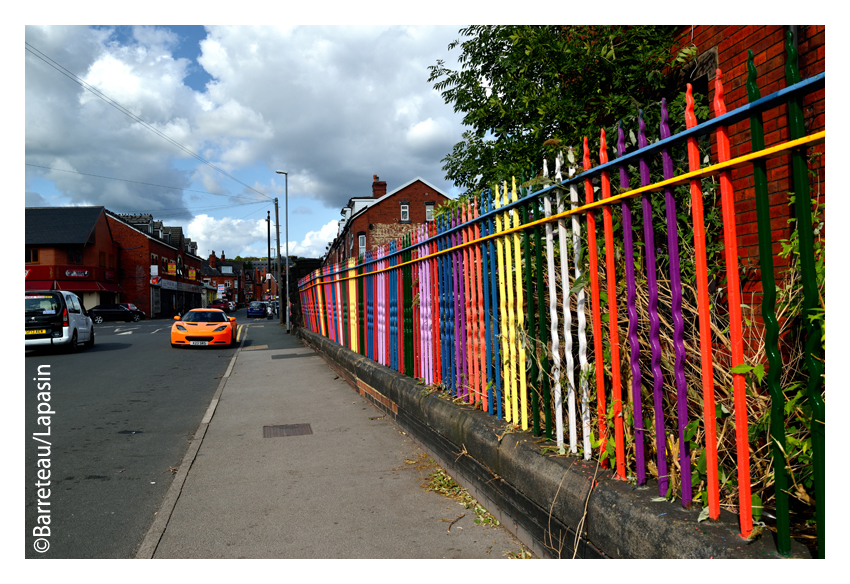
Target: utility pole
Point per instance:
(286, 213)
(281, 302)
(269, 268)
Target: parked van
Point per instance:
(56, 317)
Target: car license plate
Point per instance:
(198, 342)
(36, 332)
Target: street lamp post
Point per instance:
(286, 234)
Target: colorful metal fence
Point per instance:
(465, 304)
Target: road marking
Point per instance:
(159, 329)
(127, 333)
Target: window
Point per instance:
(226, 269)
(32, 255)
(429, 211)
(405, 212)
(71, 301)
(101, 258)
(75, 255)
(361, 243)
(111, 261)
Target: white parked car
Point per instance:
(57, 318)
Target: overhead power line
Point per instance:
(36, 53)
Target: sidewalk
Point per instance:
(344, 491)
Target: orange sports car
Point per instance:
(203, 327)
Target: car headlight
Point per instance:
(219, 329)
(180, 328)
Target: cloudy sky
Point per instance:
(331, 105)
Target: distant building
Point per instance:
(368, 222)
(229, 274)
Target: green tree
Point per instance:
(520, 87)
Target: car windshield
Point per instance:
(256, 305)
(204, 316)
(130, 306)
(42, 304)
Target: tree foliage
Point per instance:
(521, 86)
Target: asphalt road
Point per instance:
(125, 413)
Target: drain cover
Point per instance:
(288, 430)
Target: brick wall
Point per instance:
(134, 259)
(768, 46)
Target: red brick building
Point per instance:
(263, 288)
(228, 273)
(725, 47)
(368, 222)
(160, 269)
(72, 248)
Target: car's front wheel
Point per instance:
(98, 319)
(136, 318)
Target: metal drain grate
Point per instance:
(288, 430)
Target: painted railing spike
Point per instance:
(631, 309)
(601, 410)
(706, 361)
(553, 317)
(676, 311)
(613, 321)
(733, 286)
(654, 320)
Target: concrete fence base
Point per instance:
(543, 500)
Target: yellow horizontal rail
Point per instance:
(702, 173)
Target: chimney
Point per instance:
(379, 188)
(222, 255)
(212, 260)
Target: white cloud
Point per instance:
(429, 135)
(314, 243)
(236, 237)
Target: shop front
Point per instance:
(94, 285)
(170, 298)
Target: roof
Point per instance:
(208, 271)
(60, 225)
(393, 192)
(176, 234)
(174, 244)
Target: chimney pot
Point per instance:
(379, 187)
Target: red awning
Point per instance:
(82, 286)
(110, 287)
(38, 284)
